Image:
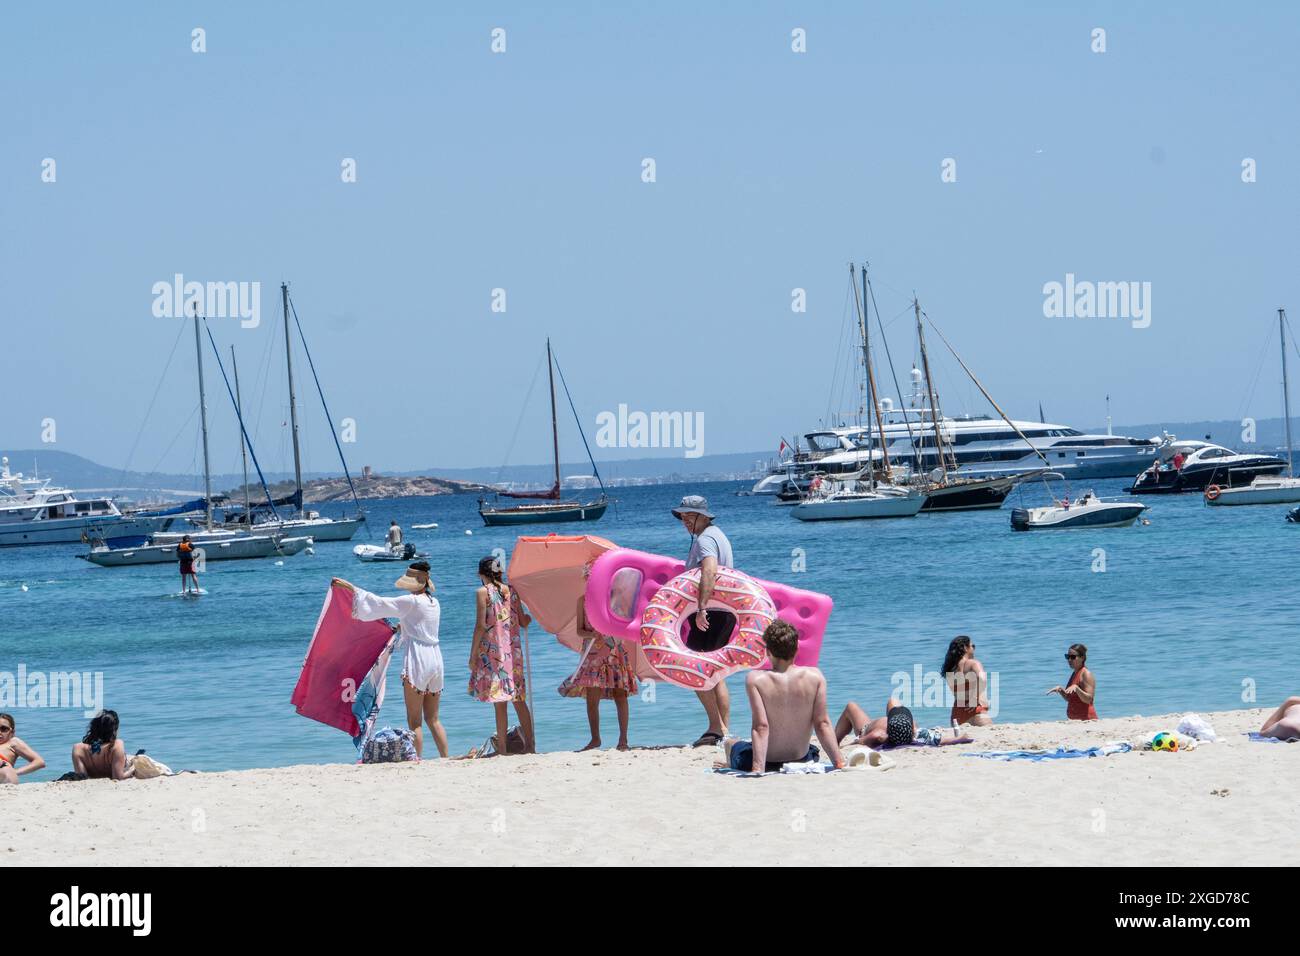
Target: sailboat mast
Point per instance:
(293, 403)
(203, 420)
(555, 428)
(871, 379)
(243, 448)
(1286, 392)
(929, 389)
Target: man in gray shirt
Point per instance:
(710, 550)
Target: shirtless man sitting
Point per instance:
(788, 704)
(1284, 723)
(896, 728)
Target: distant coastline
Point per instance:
(320, 490)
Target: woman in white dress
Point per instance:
(418, 614)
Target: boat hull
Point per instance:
(847, 509)
(543, 514)
(972, 496)
(250, 548)
(1281, 492)
(1189, 480)
(1054, 519)
(72, 530)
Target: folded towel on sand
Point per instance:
(809, 767)
(1259, 738)
(1060, 753)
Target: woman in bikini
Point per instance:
(101, 753)
(1080, 691)
(12, 749)
(965, 677)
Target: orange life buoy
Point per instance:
(1213, 492)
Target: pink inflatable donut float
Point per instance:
(666, 618)
(622, 584)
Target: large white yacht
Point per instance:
(58, 516)
(983, 447)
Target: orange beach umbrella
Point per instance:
(549, 573)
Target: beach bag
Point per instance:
(389, 746)
(146, 768)
(514, 736)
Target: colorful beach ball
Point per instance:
(1164, 742)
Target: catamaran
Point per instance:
(550, 507)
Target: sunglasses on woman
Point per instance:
(1071, 657)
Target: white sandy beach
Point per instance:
(1228, 803)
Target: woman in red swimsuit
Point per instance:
(965, 678)
(1080, 691)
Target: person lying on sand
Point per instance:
(895, 729)
(101, 753)
(788, 704)
(13, 749)
(1283, 723)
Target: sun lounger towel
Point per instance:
(810, 767)
(342, 680)
(1259, 738)
(1060, 753)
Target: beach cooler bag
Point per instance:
(389, 746)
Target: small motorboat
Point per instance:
(1088, 512)
(379, 552)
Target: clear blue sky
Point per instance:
(522, 171)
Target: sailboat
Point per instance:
(321, 528)
(840, 499)
(550, 507)
(214, 544)
(1266, 489)
(944, 488)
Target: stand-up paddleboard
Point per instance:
(189, 595)
(424, 527)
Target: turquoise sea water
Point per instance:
(1190, 613)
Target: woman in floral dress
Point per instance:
(496, 658)
(604, 673)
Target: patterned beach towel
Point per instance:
(1060, 753)
(342, 680)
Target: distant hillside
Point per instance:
(82, 474)
(1270, 433)
(374, 486)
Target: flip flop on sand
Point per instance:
(708, 739)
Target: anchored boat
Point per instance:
(1088, 512)
(549, 508)
(1266, 489)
